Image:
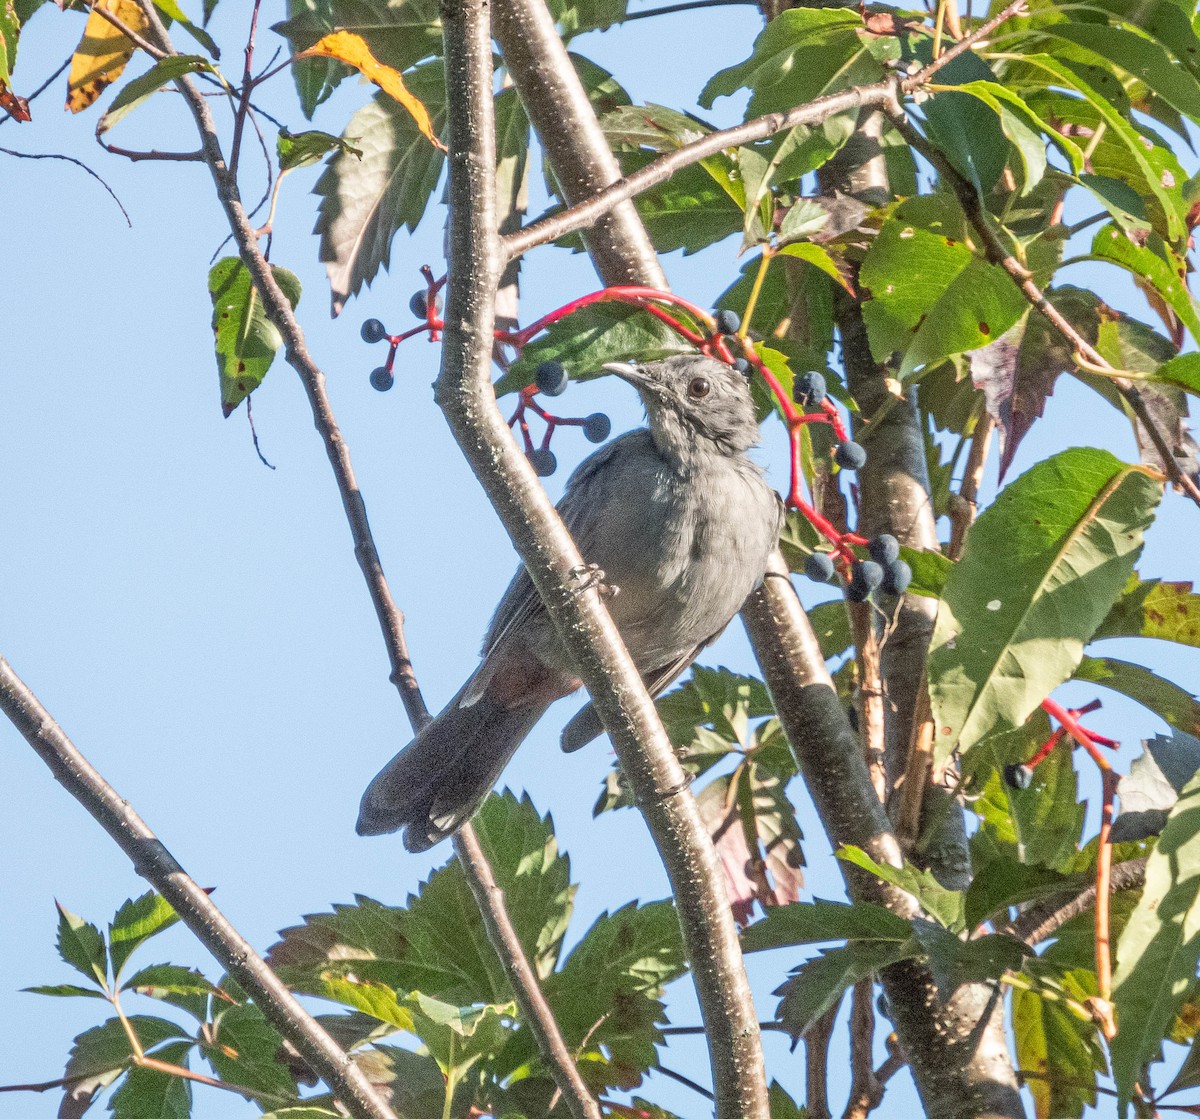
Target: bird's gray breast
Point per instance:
(684, 548)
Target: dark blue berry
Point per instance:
(551, 378)
(543, 461)
(728, 322)
(896, 577)
(884, 1006)
(743, 367)
(809, 388)
(865, 576)
(596, 427)
(819, 567)
(373, 331)
(884, 549)
(850, 455)
(419, 303)
(1018, 776)
(852, 717)
(382, 378)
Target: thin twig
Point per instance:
(692, 5)
(196, 910)
(871, 696)
(866, 1091)
(1042, 921)
(153, 50)
(966, 505)
(816, 1064)
(42, 88)
(687, 1081)
(78, 163)
(243, 107)
(135, 156)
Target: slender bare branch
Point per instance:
(1039, 922)
(78, 163)
(965, 506)
(243, 106)
(464, 391)
(196, 910)
(816, 1064)
(865, 1089)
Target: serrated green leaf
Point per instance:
(106, 1048)
(65, 990)
(366, 201)
(244, 1048)
(81, 945)
(1008, 632)
(1003, 882)
(818, 920)
(1063, 1050)
(136, 922)
(183, 987)
(173, 11)
(150, 1093)
(246, 340)
(587, 338)
(574, 17)
(1158, 951)
(954, 961)
(944, 906)
(831, 624)
(818, 257)
(819, 984)
(1150, 608)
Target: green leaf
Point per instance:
(366, 201)
(65, 990)
(105, 1049)
(373, 999)
(954, 961)
(1150, 608)
(173, 11)
(574, 17)
(692, 209)
(818, 257)
(303, 149)
(1040, 570)
(10, 30)
(437, 943)
(149, 1093)
(782, 1105)
(244, 1047)
(587, 338)
(802, 54)
(246, 340)
(812, 922)
(179, 986)
(1157, 265)
(1062, 1049)
(1167, 700)
(717, 698)
(1003, 882)
(136, 922)
(1158, 952)
(400, 33)
(819, 984)
(607, 996)
(944, 906)
(1183, 371)
(927, 295)
(81, 945)
(831, 624)
(141, 89)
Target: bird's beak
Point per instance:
(629, 372)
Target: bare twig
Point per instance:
(78, 163)
(1039, 922)
(587, 631)
(866, 1091)
(141, 42)
(871, 696)
(243, 106)
(41, 89)
(816, 1064)
(966, 505)
(135, 156)
(195, 908)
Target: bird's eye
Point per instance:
(698, 388)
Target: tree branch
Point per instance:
(195, 908)
(1039, 922)
(587, 631)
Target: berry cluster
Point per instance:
(885, 571)
(425, 305)
(551, 379)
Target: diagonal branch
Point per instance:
(587, 631)
(154, 862)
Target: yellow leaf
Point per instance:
(353, 50)
(103, 52)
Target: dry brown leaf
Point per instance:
(103, 52)
(352, 49)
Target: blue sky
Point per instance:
(198, 623)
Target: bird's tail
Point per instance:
(440, 779)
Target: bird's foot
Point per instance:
(591, 576)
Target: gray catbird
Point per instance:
(680, 522)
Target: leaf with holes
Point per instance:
(1040, 570)
(1151, 608)
(246, 340)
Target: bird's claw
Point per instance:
(591, 576)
